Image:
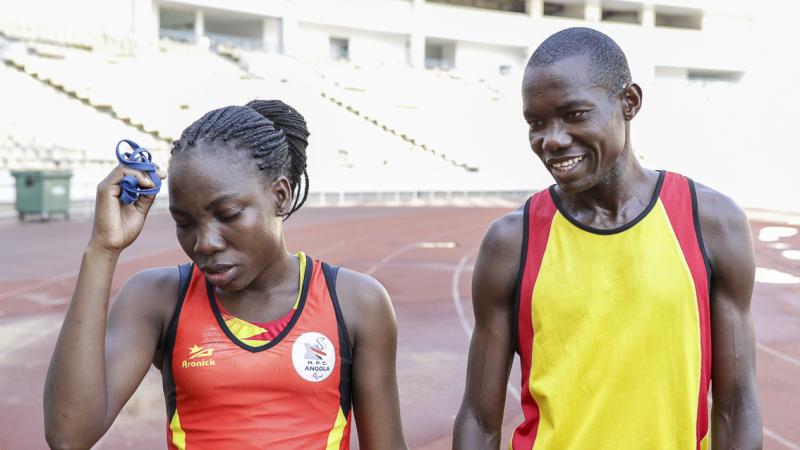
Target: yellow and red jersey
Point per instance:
(229, 383)
(613, 327)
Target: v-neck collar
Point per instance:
(305, 276)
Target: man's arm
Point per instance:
(480, 418)
(736, 415)
(372, 328)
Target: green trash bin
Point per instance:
(42, 193)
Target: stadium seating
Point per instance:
(49, 129)
(79, 99)
(466, 121)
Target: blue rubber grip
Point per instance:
(138, 158)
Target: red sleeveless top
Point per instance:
(293, 392)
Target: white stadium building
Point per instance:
(402, 97)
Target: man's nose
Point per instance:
(556, 138)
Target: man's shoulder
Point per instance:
(497, 267)
(716, 210)
(724, 227)
(506, 231)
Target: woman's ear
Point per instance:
(281, 191)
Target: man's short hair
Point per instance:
(607, 63)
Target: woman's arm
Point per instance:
(93, 372)
(371, 324)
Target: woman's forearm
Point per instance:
(75, 396)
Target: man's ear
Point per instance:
(631, 101)
(281, 191)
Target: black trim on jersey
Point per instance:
(608, 231)
(221, 321)
(345, 348)
(699, 233)
(167, 378)
(520, 274)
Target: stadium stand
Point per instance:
(377, 125)
(48, 128)
(98, 91)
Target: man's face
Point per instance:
(574, 127)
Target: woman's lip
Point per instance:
(222, 277)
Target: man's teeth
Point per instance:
(568, 164)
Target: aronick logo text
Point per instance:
(196, 352)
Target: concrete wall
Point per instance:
(474, 57)
(112, 17)
(460, 23)
(381, 26)
(364, 47)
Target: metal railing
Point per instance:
(83, 198)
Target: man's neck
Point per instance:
(619, 198)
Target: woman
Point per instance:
(258, 348)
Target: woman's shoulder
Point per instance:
(156, 285)
(360, 288)
(150, 295)
(365, 303)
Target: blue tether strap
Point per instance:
(139, 159)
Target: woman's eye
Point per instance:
(182, 222)
(230, 216)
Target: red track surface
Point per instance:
(429, 287)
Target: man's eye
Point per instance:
(576, 114)
(536, 124)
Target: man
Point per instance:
(611, 285)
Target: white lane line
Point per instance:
(462, 316)
(16, 334)
(24, 343)
(388, 258)
(412, 245)
(780, 439)
(772, 276)
(38, 284)
(780, 355)
(794, 255)
(772, 234)
(330, 248)
(340, 244)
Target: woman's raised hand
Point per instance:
(116, 225)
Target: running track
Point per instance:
(423, 256)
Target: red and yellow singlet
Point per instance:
(229, 383)
(613, 327)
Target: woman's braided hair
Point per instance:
(275, 133)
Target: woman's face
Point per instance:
(227, 213)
